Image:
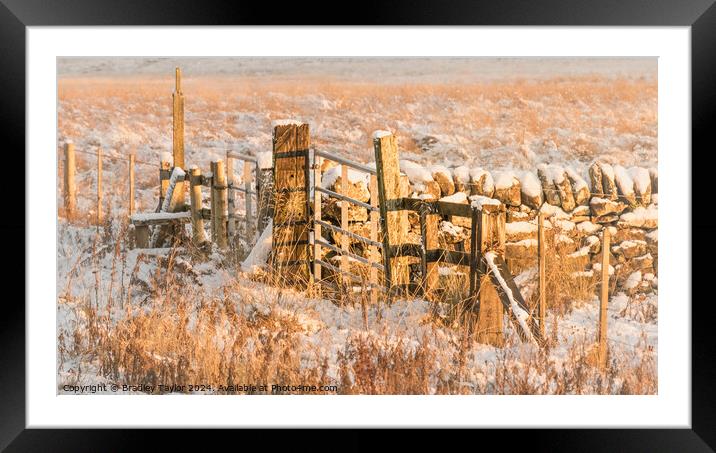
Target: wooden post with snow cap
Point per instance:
(165, 172)
(99, 186)
(220, 204)
(197, 219)
(291, 221)
(395, 223)
(491, 237)
(603, 302)
(70, 191)
(178, 122)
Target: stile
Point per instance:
(70, 188)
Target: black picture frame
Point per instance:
(700, 15)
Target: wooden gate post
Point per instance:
(248, 205)
(231, 195)
(395, 223)
(429, 229)
(221, 204)
(491, 236)
(178, 122)
(291, 221)
(197, 219)
(603, 302)
(70, 188)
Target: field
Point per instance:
(170, 316)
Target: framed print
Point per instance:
(449, 224)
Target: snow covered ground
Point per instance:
(499, 114)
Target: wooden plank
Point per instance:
(291, 202)
(489, 320)
(70, 191)
(178, 121)
(603, 301)
(141, 234)
(395, 223)
(197, 220)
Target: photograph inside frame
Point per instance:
(357, 225)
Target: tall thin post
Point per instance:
(344, 219)
(316, 218)
(221, 204)
(212, 201)
(231, 194)
(604, 301)
(99, 186)
(197, 220)
(131, 184)
(178, 122)
(373, 250)
(70, 188)
(542, 308)
(164, 174)
(248, 205)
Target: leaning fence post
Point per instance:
(291, 225)
(542, 307)
(248, 205)
(197, 219)
(231, 194)
(131, 184)
(99, 186)
(604, 301)
(395, 223)
(221, 202)
(70, 188)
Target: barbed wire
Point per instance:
(116, 158)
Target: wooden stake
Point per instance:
(373, 250)
(291, 226)
(316, 217)
(164, 175)
(131, 184)
(212, 201)
(70, 188)
(197, 220)
(231, 194)
(542, 308)
(395, 226)
(345, 244)
(178, 122)
(221, 204)
(99, 186)
(248, 205)
(604, 301)
(432, 276)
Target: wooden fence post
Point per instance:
(542, 308)
(248, 205)
(131, 184)
(373, 250)
(395, 225)
(291, 225)
(221, 202)
(491, 236)
(212, 201)
(264, 195)
(604, 301)
(178, 122)
(429, 227)
(70, 188)
(164, 175)
(345, 244)
(99, 186)
(317, 200)
(231, 195)
(197, 219)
